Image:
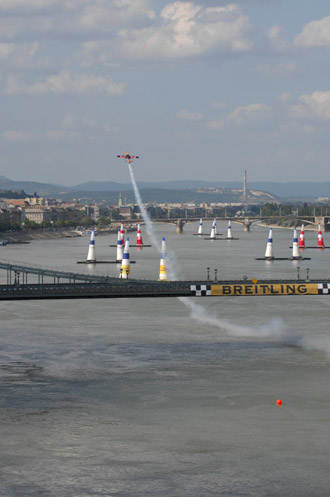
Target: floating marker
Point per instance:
(122, 234)
(269, 247)
(301, 243)
(229, 233)
(125, 265)
(139, 242)
(295, 247)
(91, 249)
(200, 229)
(320, 242)
(279, 402)
(162, 269)
(119, 247)
(212, 234)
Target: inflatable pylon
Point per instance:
(139, 241)
(212, 234)
(122, 234)
(125, 268)
(301, 243)
(91, 248)
(215, 227)
(269, 247)
(162, 268)
(119, 247)
(229, 233)
(295, 247)
(320, 242)
(200, 229)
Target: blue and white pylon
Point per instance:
(162, 268)
(125, 268)
(295, 245)
(269, 247)
(229, 233)
(119, 247)
(91, 249)
(200, 229)
(212, 234)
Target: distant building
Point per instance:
(125, 211)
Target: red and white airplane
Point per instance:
(128, 157)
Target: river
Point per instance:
(156, 397)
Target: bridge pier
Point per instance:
(246, 225)
(179, 226)
(323, 221)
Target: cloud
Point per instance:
(190, 116)
(10, 5)
(216, 124)
(87, 122)
(284, 97)
(22, 55)
(314, 106)
(182, 29)
(274, 39)
(69, 122)
(315, 34)
(67, 84)
(252, 112)
(17, 136)
(62, 135)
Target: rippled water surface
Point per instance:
(160, 397)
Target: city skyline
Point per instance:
(199, 90)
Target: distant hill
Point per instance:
(299, 190)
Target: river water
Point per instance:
(159, 397)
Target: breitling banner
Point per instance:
(235, 289)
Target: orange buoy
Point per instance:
(279, 402)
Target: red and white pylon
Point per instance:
(320, 242)
(139, 241)
(122, 234)
(301, 243)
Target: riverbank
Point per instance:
(53, 233)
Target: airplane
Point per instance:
(128, 157)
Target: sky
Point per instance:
(198, 89)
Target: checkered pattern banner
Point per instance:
(200, 290)
(323, 288)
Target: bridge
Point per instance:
(246, 221)
(80, 286)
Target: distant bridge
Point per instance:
(245, 220)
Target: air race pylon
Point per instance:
(162, 268)
(301, 243)
(122, 234)
(320, 242)
(125, 265)
(119, 247)
(200, 229)
(229, 233)
(212, 234)
(91, 249)
(295, 247)
(139, 242)
(269, 248)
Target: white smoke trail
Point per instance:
(170, 261)
(274, 328)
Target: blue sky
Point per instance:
(199, 90)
